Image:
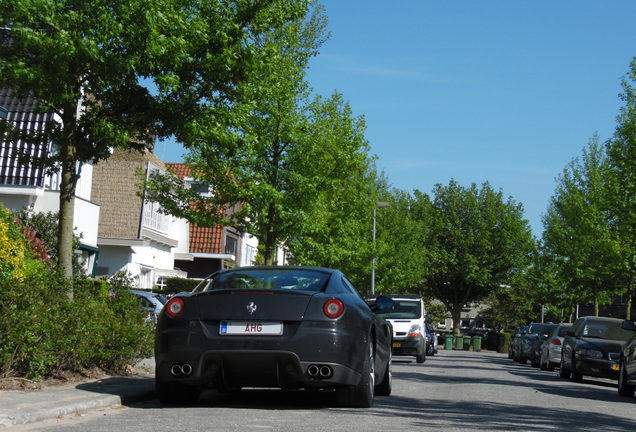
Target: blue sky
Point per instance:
(507, 92)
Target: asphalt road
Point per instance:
(452, 391)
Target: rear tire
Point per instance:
(563, 372)
(361, 395)
(624, 388)
(549, 366)
(576, 376)
(386, 386)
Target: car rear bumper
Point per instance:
(316, 356)
(247, 368)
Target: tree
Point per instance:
(621, 151)
(402, 229)
(578, 231)
(477, 243)
(92, 63)
(283, 162)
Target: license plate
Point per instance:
(250, 328)
(616, 367)
(397, 345)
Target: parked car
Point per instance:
(407, 317)
(525, 343)
(537, 345)
(627, 373)
(274, 326)
(151, 303)
(431, 340)
(551, 349)
(515, 341)
(592, 347)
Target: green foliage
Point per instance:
(579, 232)
(43, 331)
(177, 285)
(621, 151)
(476, 243)
(13, 251)
(94, 64)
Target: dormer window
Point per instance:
(3, 113)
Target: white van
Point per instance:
(407, 317)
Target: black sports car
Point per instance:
(592, 347)
(281, 327)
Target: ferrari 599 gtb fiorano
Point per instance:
(273, 327)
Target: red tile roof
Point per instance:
(202, 239)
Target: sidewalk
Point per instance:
(21, 407)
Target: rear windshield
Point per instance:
(405, 309)
(268, 279)
(563, 330)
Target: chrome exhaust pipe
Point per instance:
(326, 372)
(186, 369)
(176, 370)
(181, 369)
(313, 371)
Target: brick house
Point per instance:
(212, 248)
(133, 235)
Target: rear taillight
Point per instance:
(555, 341)
(175, 307)
(333, 308)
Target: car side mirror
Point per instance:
(629, 325)
(384, 302)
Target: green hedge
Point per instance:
(178, 285)
(44, 331)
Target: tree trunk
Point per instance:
(68, 182)
(629, 301)
(456, 314)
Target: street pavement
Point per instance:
(19, 407)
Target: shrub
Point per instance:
(177, 285)
(43, 330)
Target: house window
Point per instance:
(230, 245)
(3, 113)
(162, 282)
(155, 219)
(250, 255)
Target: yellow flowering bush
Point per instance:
(13, 250)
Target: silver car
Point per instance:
(551, 349)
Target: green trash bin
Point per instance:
(477, 343)
(448, 342)
(459, 342)
(466, 343)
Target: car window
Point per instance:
(405, 309)
(563, 330)
(347, 283)
(269, 279)
(605, 330)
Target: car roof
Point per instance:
(601, 319)
(404, 296)
(275, 267)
